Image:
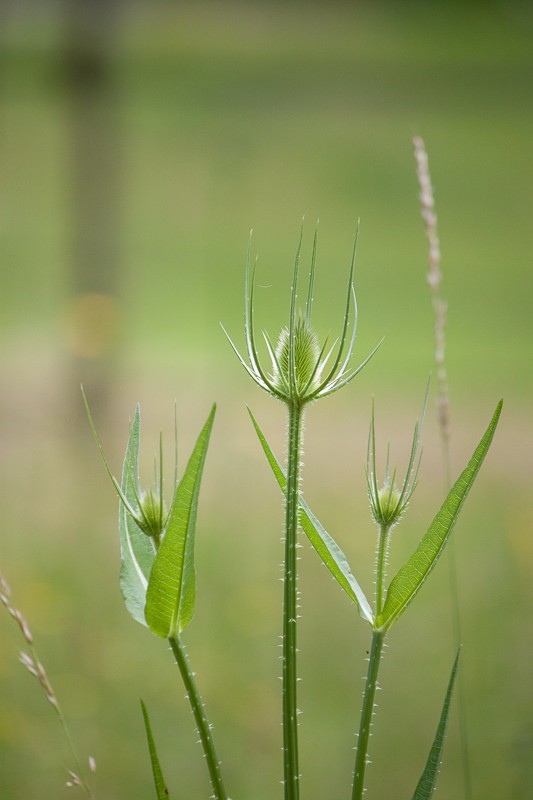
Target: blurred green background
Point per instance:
(140, 143)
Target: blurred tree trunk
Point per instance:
(93, 216)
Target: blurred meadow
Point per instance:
(140, 143)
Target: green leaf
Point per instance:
(326, 547)
(171, 592)
(408, 580)
(137, 551)
(159, 781)
(428, 779)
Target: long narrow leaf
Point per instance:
(409, 579)
(136, 549)
(171, 592)
(334, 559)
(428, 779)
(159, 781)
(326, 547)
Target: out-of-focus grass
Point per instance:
(232, 117)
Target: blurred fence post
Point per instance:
(94, 192)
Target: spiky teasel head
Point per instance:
(307, 366)
(388, 502)
(301, 369)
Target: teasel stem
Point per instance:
(290, 607)
(200, 717)
(361, 756)
(365, 723)
(434, 277)
(381, 563)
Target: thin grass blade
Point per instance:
(326, 547)
(171, 592)
(428, 779)
(159, 781)
(409, 579)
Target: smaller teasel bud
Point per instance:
(387, 502)
(147, 508)
(389, 506)
(153, 513)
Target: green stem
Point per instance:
(290, 610)
(366, 715)
(198, 709)
(381, 564)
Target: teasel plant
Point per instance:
(298, 375)
(157, 572)
(157, 538)
(301, 371)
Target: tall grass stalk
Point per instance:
(434, 278)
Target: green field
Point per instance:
(219, 118)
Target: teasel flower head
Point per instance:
(301, 368)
